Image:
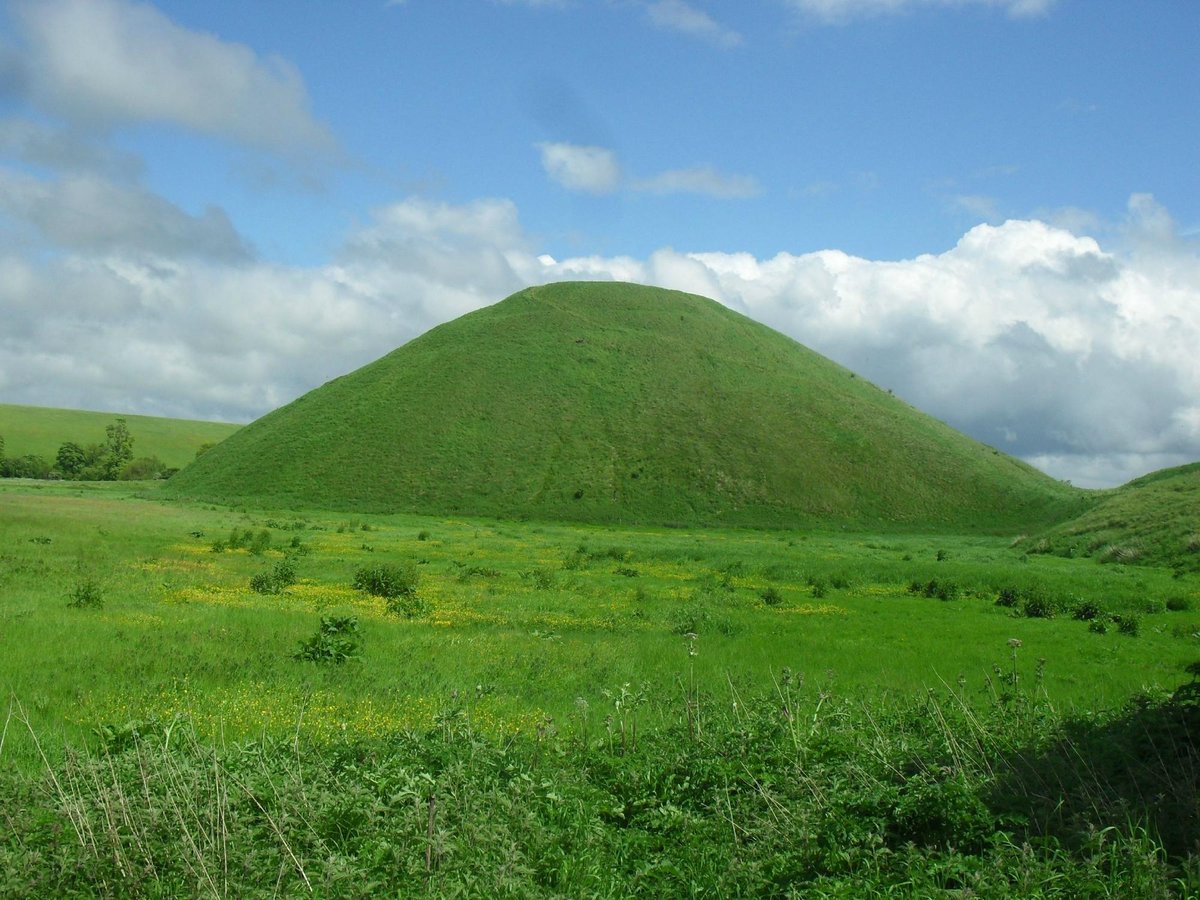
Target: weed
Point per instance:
(86, 595)
(336, 641)
(771, 596)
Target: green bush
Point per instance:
(86, 595)
(273, 582)
(387, 581)
(1179, 604)
(771, 596)
(336, 641)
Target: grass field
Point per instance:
(605, 659)
(40, 431)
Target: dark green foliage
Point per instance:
(336, 641)
(1087, 610)
(542, 579)
(280, 577)
(1034, 602)
(70, 459)
(794, 793)
(1179, 604)
(86, 594)
(723, 419)
(144, 468)
(771, 596)
(118, 449)
(1129, 624)
(387, 580)
(28, 466)
(942, 589)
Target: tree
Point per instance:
(71, 459)
(118, 449)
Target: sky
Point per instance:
(989, 207)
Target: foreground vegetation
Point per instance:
(526, 709)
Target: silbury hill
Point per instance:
(603, 402)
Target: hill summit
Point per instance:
(609, 402)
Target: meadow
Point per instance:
(579, 710)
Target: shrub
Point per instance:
(260, 542)
(1087, 610)
(1037, 605)
(1128, 624)
(1009, 596)
(336, 641)
(86, 595)
(1179, 604)
(543, 579)
(772, 597)
(275, 581)
(387, 581)
(1098, 626)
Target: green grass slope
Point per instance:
(1153, 520)
(40, 431)
(621, 403)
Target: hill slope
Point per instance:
(40, 431)
(617, 402)
(1153, 520)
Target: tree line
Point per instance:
(109, 460)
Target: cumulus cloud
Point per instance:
(595, 170)
(676, 15)
(839, 11)
(91, 214)
(1076, 355)
(107, 63)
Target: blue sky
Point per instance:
(991, 206)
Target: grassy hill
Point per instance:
(1153, 520)
(621, 403)
(40, 431)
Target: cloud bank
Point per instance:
(1075, 356)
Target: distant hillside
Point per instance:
(1153, 520)
(42, 430)
(615, 402)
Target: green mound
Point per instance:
(1153, 520)
(610, 402)
(40, 431)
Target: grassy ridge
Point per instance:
(1153, 520)
(40, 431)
(622, 403)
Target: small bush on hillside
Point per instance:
(1087, 610)
(1128, 624)
(542, 579)
(771, 596)
(1037, 605)
(273, 582)
(1179, 604)
(260, 542)
(422, 535)
(387, 581)
(1098, 626)
(86, 595)
(335, 641)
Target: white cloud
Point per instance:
(1073, 354)
(91, 214)
(106, 63)
(676, 15)
(593, 170)
(839, 11)
(700, 180)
